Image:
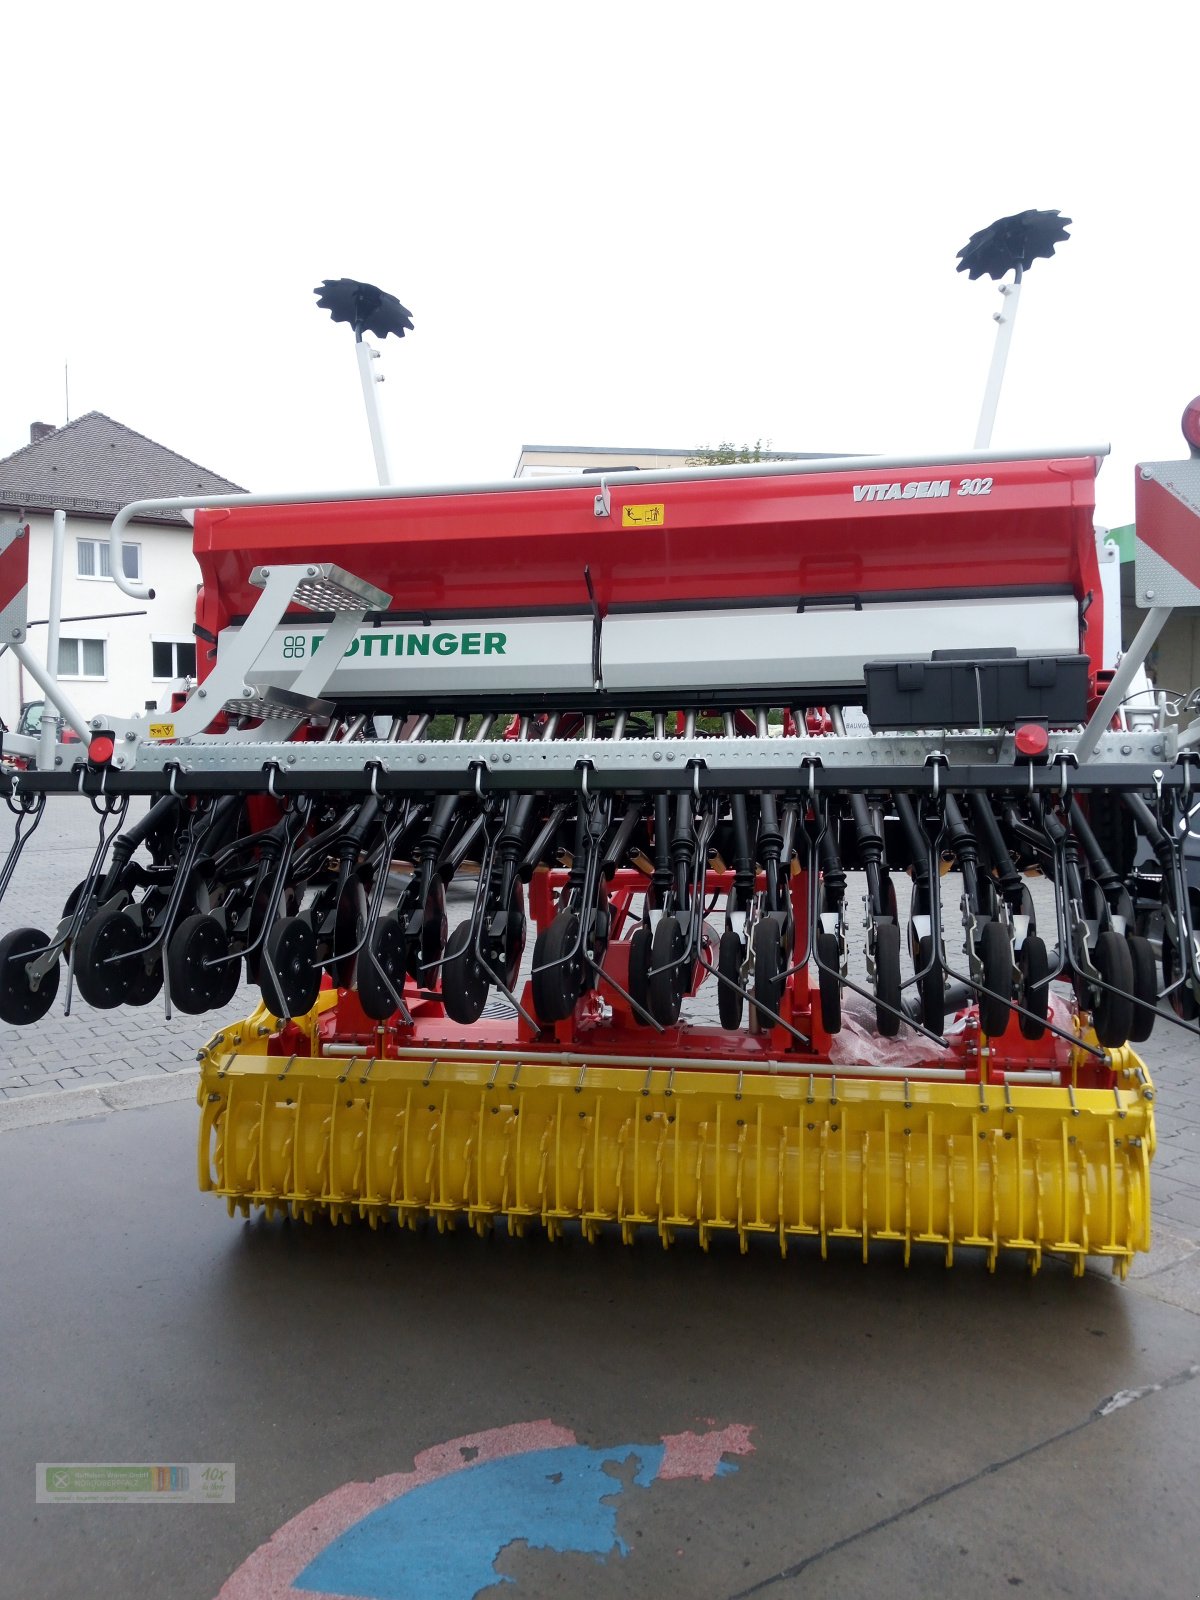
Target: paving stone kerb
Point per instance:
(93, 1048)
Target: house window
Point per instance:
(82, 658)
(93, 559)
(173, 658)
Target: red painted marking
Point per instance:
(698, 1455)
(1169, 527)
(14, 570)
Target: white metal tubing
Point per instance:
(58, 541)
(367, 355)
(1004, 331)
(1121, 680)
(50, 688)
(575, 1058)
(752, 469)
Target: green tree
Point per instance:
(727, 454)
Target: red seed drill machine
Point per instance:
(559, 824)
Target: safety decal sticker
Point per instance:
(652, 516)
(436, 1533)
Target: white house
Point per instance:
(115, 654)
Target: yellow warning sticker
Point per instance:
(643, 516)
(162, 730)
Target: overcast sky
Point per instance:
(653, 224)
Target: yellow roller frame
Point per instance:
(1032, 1168)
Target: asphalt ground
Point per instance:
(908, 1433)
(903, 1432)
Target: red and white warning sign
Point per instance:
(1167, 548)
(14, 581)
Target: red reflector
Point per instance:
(100, 750)
(1032, 739)
(1190, 423)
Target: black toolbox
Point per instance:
(977, 689)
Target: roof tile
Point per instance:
(95, 465)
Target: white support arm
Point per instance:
(58, 540)
(1122, 678)
(50, 688)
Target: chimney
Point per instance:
(40, 430)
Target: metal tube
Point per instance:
(366, 354)
(1004, 331)
(575, 1058)
(58, 540)
(50, 688)
(1126, 671)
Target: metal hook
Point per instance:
(478, 765)
(1062, 780)
(937, 779)
(171, 789)
(696, 781)
(373, 769)
(583, 781)
(272, 774)
(812, 783)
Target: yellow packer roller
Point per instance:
(645, 1146)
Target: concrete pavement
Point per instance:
(910, 1433)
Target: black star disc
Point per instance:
(366, 308)
(1012, 243)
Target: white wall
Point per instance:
(167, 565)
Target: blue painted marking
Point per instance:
(440, 1540)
